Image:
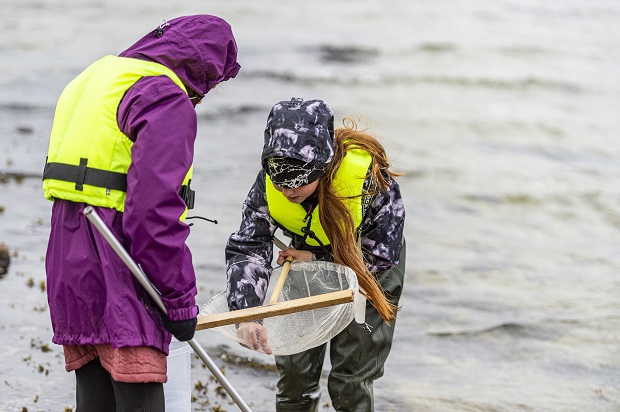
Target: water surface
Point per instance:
(503, 116)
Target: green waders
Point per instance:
(357, 359)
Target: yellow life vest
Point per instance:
(348, 181)
(88, 155)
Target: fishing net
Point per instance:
(295, 332)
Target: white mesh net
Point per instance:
(296, 332)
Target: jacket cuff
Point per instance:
(183, 313)
(322, 256)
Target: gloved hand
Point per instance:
(183, 330)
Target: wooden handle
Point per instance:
(281, 279)
(282, 308)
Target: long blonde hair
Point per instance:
(336, 217)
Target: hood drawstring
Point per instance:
(200, 217)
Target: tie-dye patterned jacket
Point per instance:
(249, 251)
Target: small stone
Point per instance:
(5, 259)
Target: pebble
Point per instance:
(5, 259)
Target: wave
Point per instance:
(18, 177)
(541, 330)
(346, 54)
(436, 47)
(366, 79)
(14, 107)
(229, 112)
(511, 198)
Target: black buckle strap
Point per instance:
(188, 195)
(82, 175)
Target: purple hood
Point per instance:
(200, 49)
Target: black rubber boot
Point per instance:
(298, 386)
(358, 356)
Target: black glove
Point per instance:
(183, 330)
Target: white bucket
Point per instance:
(178, 389)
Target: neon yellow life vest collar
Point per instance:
(348, 182)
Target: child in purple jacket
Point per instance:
(123, 142)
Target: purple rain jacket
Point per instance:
(92, 295)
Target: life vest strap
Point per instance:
(188, 195)
(83, 174)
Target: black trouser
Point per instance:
(96, 391)
(357, 359)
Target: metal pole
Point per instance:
(94, 218)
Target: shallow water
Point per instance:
(502, 114)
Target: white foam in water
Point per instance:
(178, 390)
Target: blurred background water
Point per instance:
(504, 117)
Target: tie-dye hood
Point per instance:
(300, 129)
(200, 49)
